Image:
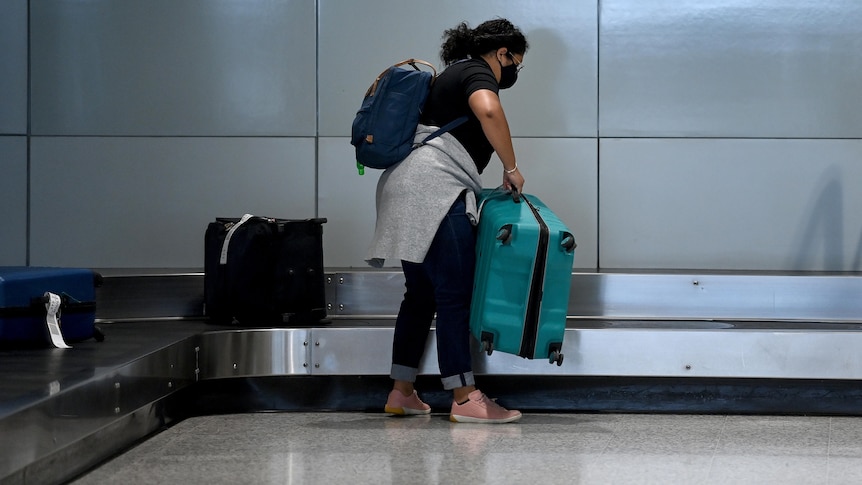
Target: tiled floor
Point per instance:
(354, 448)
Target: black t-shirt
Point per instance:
(448, 101)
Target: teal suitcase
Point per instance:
(524, 258)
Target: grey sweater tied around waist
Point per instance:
(415, 195)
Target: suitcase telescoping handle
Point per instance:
(499, 191)
(516, 196)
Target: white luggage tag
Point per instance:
(226, 244)
(52, 319)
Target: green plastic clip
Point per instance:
(360, 168)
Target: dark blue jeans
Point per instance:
(442, 283)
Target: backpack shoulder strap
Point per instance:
(443, 129)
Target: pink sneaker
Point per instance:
(405, 405)
(481, 409)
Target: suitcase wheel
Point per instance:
(557, 357)
(98, 334)
(568, 243)
(487, 347)
(505, 234)
(487, 343)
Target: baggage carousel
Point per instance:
(681, 342)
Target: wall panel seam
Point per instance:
(28, 204)
(598, 135)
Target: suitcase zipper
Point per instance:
(534, 303)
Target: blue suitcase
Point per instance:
(523, 275)
(24, 293)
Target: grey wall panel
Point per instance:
(563, 173)
(13, 67)
(731, 68)
(174, 67)
(731, 204)
(13, 200)
(347, 201)
(145, 202)
(556, 91)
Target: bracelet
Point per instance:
(511, 171)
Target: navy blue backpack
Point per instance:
(385, 125)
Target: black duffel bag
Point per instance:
(261, 271)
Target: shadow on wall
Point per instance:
(824, 231)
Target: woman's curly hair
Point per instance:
(463, 42)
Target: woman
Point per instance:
(426, 213)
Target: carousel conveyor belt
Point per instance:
(635, 342)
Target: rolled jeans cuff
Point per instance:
(403, 373)
(458, 380)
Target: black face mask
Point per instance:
(508, 75)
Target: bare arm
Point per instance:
(487, 108)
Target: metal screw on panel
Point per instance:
(305, 343)
(305, 364)
(170, 385)
(329, 280)
(329, 306)
(116, 385)
(695, 282)
(317, 344)
(688, 367)
(341, 280)
(317, 366)
(341, 307)
(117, 410)
(234, 366)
